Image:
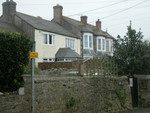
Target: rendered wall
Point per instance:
(47, 51)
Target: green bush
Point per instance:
(27, 69)
(14, 55)
(70, 103)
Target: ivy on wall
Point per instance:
(14, 55)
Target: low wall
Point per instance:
(144, 90)
(70, 95)
(67, 65)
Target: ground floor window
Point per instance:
(48, 60)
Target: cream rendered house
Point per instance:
(47, 44)
(53, 38)
(48, 36)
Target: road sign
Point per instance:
(33, 55)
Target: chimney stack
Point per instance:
(58, 13)
(9, 9)
(84, 19)
(98, 24)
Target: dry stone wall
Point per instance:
(144, 90)
(70, 95)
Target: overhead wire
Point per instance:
(122, 10)
(99, 8)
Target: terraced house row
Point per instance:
(61, 39)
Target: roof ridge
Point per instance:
(73, 19)
(33, 16)
(79, 21)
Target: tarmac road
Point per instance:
(144, 110)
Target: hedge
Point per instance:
(14, 55)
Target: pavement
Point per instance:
(143, 110)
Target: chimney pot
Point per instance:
(84, 19)
(39, 17)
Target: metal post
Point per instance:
(32, 80)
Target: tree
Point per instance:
(132, 54)
(14, 55)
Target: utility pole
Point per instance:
(33, 55)
(32, 81)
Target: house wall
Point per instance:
(47, 51)
(24, 26)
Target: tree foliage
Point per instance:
(14, 54)
(132, 53)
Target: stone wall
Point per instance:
(70, 95)
(144, 90)
(67, 65)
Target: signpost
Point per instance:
(33, 55)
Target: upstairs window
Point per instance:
(101, 43)
(88, 41)
(69, 43)
(109, 45)
(48, 39)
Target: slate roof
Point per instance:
(83, 27)
(45, 25)
(8, 27)
(67, 53)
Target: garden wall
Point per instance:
(144, 90)
(67, 65)
(70, 95)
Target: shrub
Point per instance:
(70, 103)
(14, 55)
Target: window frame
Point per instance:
(102, 43)
(48, 59)
(107, 45)
(88, 44)
(48, 39)
(70, 43)
(110, 48)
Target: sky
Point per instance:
(115, 15)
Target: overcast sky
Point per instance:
(114, 14)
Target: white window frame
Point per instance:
(110, 45)
(103, 43)
(70, 43)
(107, 45)
(48, 38)
(48, 59)
(89, 42)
